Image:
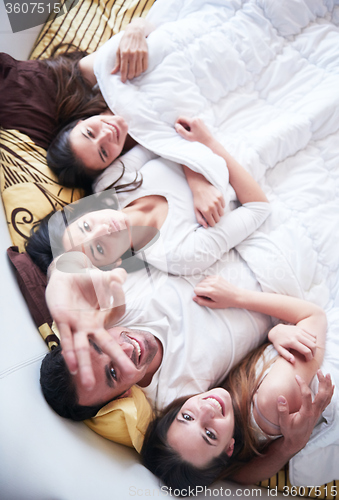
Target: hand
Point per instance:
(132, 53)
(216, 293)
(297, 427)
(193, 129)
(286, 337)
(73, 296)
(208, 202)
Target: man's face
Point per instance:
(143, 350)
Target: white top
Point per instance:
(185, 247)
(200, 344)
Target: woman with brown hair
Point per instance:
(79, 98)
(226, 432)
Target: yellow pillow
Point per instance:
(124, 420)
(28, 187)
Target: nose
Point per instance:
(105, 133)
(206, 411)
(100, 230)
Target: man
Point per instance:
(162, 326)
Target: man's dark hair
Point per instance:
(59, 389)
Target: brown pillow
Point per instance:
(32, 283)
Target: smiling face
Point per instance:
(203, 427)
(141, 347)
(102, 235)
(98, 140)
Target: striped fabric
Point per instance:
(88, 24)
(281, 482)
(29, 189)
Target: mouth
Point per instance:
(217, 403)
(138, 349)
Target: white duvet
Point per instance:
(264, 75)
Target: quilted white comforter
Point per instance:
(264, 75)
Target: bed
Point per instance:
(44, 456)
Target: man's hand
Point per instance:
(84, 301)
(287, 337)
(132, 53)
(216, 293)
(297, 427)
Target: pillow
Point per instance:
(124, 420)
(32, 283)
(88, 25)
(28, 187)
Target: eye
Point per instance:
(210, 434)
(86, 226)
(100, 249)
(103, 151)
(113, 373)
(90, 133)
(185, 416)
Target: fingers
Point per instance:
(131, 64)
(212, 211)
(117, 64)
(204, 301)
(306, 395)
(82, 350)
(123, 69)
(325, 391)
(118, 303)
(182, 131)
(68, 347)
(286, 354)
(200, 219)
(283, 412)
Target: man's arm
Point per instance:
(296, 429)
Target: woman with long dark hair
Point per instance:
(78, 98)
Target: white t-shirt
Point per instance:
(185, 247)
(200, 344)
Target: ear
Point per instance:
(230, 448)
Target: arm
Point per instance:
(296, 429)
(74, 294)
(132, 53)
(219, 294)
(307, 333)
(204, 247)
(246, 188)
